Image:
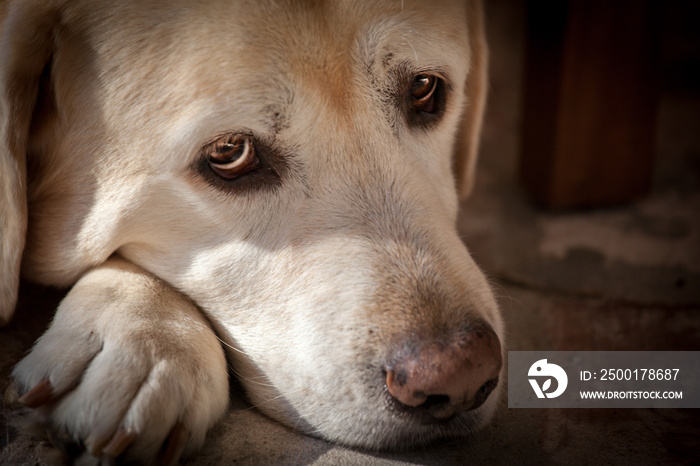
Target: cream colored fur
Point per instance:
(307, 282)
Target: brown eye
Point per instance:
(423, 93)
(232, 156)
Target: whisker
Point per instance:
(230, 346)
(415, 54)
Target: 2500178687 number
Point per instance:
(639, 374)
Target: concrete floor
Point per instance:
(625, 278)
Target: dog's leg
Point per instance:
(129, 366)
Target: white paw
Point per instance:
(129, 368)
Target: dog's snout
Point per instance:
(445, 377)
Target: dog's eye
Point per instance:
(424, 93)
(232, 156)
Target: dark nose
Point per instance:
(444, 377)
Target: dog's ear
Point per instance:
(467, 144)
(26, 45)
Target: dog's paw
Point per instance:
(129, 368)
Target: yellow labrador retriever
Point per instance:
(271, 181)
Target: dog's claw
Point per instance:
(175, 444)
(39, 395)
(120, 442)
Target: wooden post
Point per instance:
(590, 100)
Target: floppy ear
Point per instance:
(26, 44)
(467, 144)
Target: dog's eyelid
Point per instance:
(438, 72)
(232, 152)
(231, 155)
(241, 162)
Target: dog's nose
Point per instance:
(444, 377)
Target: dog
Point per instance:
(271, 185)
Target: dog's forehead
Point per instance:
(183, 71)
(322, 33)
(327, 55)
(269, 49)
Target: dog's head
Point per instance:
(289, 166)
